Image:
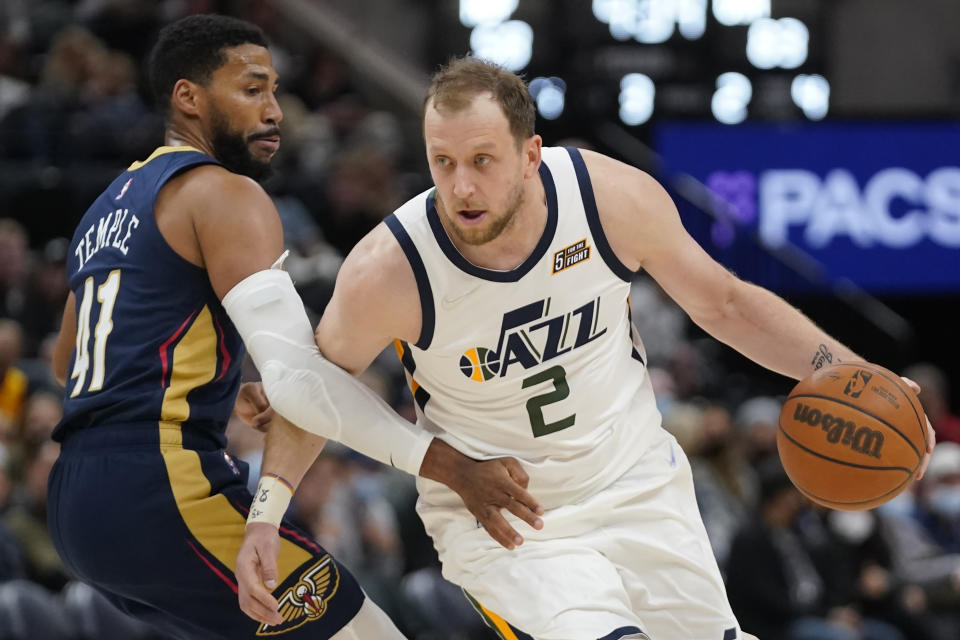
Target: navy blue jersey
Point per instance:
(150, 387)
(153, 342)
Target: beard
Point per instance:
(476, 237)
(232, 148)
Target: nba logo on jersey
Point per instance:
(124, 189)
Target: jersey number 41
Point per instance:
(106, 296)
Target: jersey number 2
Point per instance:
(107, 296)
(535, 405)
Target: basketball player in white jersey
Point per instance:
(505, 288)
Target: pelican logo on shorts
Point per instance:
(307, 600)
(857, 383)
(860, 439)
(529, 336)
(569, 256)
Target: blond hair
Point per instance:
(457, 83)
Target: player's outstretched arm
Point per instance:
(644, 229)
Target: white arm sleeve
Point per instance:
(306, 388)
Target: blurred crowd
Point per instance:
(73, 113)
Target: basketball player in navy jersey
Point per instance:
(144, 502)
(505, 288)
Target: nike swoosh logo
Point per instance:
(448, 303)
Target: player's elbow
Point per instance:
(721, 306)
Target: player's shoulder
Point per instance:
(635, 210)
(376, 285)
(377, 263)
(610, 174)
(211, 189)
(212, 182)
(624, 192)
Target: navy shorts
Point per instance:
(154, 517)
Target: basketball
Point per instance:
(851, 436)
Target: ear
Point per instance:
(531, 153)
(187, 97)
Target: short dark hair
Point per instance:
(192, 48)
(456, 84)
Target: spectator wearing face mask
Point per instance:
(775, 582)
(940, 497)
(923, 528)
(852, 550)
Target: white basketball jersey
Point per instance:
(539, 363)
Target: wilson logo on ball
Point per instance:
(860, 439)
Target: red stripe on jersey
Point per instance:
(230, 583)
(306, 541)
(224, 354)
(165, 347)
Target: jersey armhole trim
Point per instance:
(593, 217)
(428, 315)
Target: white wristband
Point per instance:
(271, 500)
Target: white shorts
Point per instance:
(631, 558)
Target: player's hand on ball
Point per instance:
(488, 486)
(257, 573)
(931, 436)
(253, 407)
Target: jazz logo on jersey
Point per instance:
(529, 336)
(307, 600)
(569, 256)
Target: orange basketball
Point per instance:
(851, 435)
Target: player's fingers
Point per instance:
(268, 568)
(910, 383)
(520, 510)
(500, 530)
(262, 401)
(255, 600)
(260, 605)
(266, 604)
(262, 420)
(931, 442)
(524, 497)
(516, 471)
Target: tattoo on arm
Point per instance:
(822, 357)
